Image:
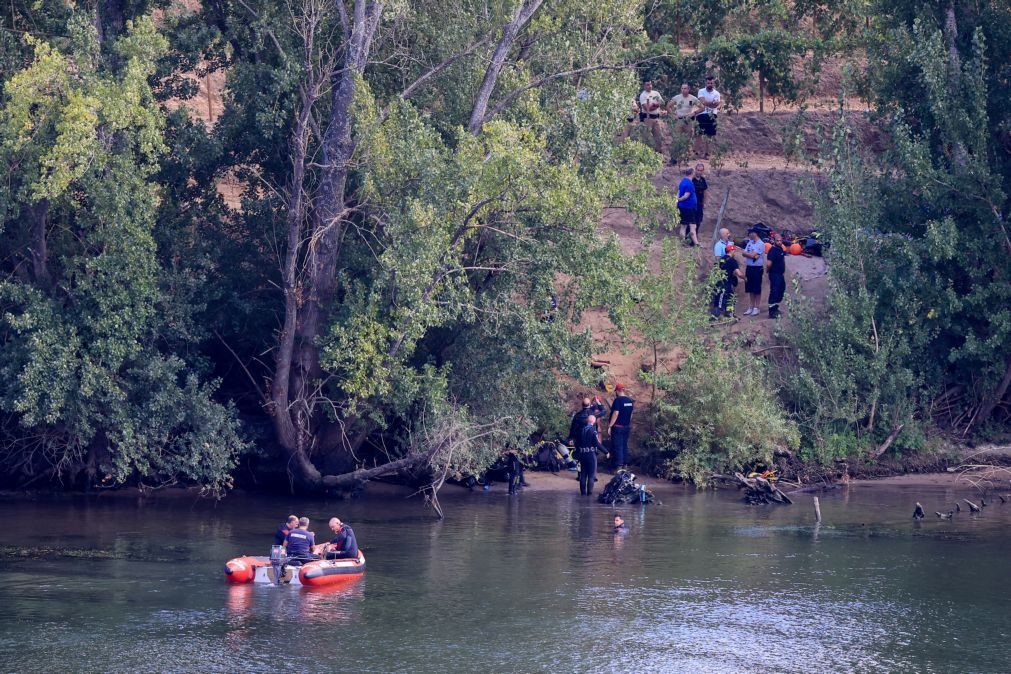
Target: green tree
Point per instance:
(87, 395)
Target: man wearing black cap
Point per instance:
(776, 266)
(620, 425)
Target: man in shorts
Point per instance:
(709, 98)
(754, 252)
(687, 207)
(650, 111)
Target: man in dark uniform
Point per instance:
(343, 545)
(725, 287)
(282, 531)
(775, 262)
(620, 425)
(300, 542)
(586, 453)
(590, 406)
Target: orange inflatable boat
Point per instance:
(319, 573)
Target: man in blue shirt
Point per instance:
(300, 542)
(620, 425)
(720, 247)
(754, 252)
(282, 531)
(687, 205)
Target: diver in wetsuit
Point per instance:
(587, 447)
(343, 545)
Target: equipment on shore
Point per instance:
(278, 569)
(624, 489)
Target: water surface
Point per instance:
(533, 583)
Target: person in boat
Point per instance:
(343, 545)
(619, 525)
(300, 543)
(282, 531)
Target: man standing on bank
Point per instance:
(586, 454)
(754, 251)
(620, 425)
(776, 267)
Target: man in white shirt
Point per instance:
(711, 104)
(684, 107)
(650, 110)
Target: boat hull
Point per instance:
(321, 573)
(325, 573)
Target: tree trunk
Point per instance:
(761, 92)
(990, 404)
(39, 253)
(524, 12)
(297, 368)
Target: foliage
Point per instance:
(709, 411)
(919, 287)
(85, 388)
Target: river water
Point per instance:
(533, 583)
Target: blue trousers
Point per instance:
(619, 445)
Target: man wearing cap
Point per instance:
(730, 271)
(776, 267)
(620, 425)
(650, 109)
(754, 252)
(343, 545)
(284, 529)
(300, 542)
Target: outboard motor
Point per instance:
(278, 560)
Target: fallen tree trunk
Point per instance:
(759, 491)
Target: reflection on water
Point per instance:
(537, 582)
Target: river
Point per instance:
(533, 583)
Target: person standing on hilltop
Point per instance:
(630, 121)
(687, 205)
(699, 180)
(620, 425)
(711, 104)
(650, 110)
(776, 266)
(754, 251)
(684, 107)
